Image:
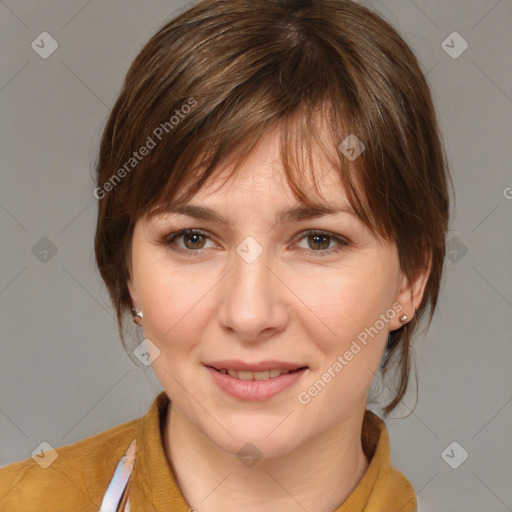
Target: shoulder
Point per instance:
(75, 480)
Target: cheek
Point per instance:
(173, 301)
(174, 315)
(344, 321)
(346, 301)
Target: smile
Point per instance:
(255, 385)
(246, 375)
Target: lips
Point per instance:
(249, 385)
(246, 375)
(262, 366)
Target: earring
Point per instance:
(137, 316)
(403, 318)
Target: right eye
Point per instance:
(193, 240)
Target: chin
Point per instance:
(255, 438)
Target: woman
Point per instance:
(273, 204)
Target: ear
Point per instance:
(410, 293)
(136, 316)
(133, 292)
(130, 281)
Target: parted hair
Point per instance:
(215, 79)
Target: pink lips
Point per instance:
(255, 390)
(235, 364)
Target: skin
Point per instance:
(290, 304)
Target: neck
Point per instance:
(318, 475)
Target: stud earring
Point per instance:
(137, 316)
(403, 318)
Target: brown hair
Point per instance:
(211, 82)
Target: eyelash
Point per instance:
(169, 240)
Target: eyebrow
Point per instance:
(294, 213)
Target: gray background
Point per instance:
(64, 375)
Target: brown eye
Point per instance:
(193, 240)
(319, 241)
(189, 241)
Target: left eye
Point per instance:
(194, 241)
(320, 240)
(187, 234)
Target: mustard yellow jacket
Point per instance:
(76, 481)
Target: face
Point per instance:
(263, 291)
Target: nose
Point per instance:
(254, 306)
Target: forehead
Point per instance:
(262, 175)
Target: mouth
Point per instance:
(262, 370)
(257, 375)
(255, 381)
